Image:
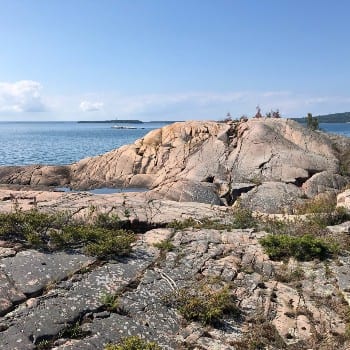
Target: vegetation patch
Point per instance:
(165, 246)
(303, 248)
(30, 227)
(261, 335)
(110, 301)
(96, 241)
(204, 303)
(286, 274)
(243, 218)
(102, 238)
(133, 343)
(205, 223)
(73, 331)
(322, 211)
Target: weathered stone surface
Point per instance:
(9, 293)
(32, 270)
(303, 311)
(343, 199)
(137, 207)
(341, 228)
(272, 197)
(325, 181)
(69, 300)
(203, 161)
(190, 191)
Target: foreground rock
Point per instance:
(210, 162)
(307, 313)
(57, 300)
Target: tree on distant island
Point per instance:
(312, 122)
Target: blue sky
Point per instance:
(172, 59)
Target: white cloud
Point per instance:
(88, 106)
(21, 96)
(170, 106)
(215, 105)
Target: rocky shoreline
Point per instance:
(209, 162)
(188, 239)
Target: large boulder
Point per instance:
(325, 181)
(272, 197)
(210, 159)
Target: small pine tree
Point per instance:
(312, 122)
(276, 114)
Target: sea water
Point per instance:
(23, 143)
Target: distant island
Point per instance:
(115, 121)
(329, 118)
(129, 121)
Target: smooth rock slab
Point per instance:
(9, 294)
(32, 271)
(66, 304)
(112, 330)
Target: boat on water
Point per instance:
(123, 127)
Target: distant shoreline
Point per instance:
(328, 118)
(127, 121)
(115, 121)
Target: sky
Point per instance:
(172, 59)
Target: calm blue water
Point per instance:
(336, 128)
(64, 143)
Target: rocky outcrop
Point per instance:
(55, 300)
(207, 162)
(343, 199)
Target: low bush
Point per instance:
(96, 241)
(108, 221)
(102, 238)
(164, 246)
(204, 304)
(243, 218)
(133, 343)
(73, 331)
(303, 248)
(31, 226)
(110, 301)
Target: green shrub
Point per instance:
(243, 218)
(111, 243)
(73, 331)
(133, 343)
(27, 225)
(97, 241)
(108, 221)
(102, 238)
(204, 304)
(110, 301)
(304, 248)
